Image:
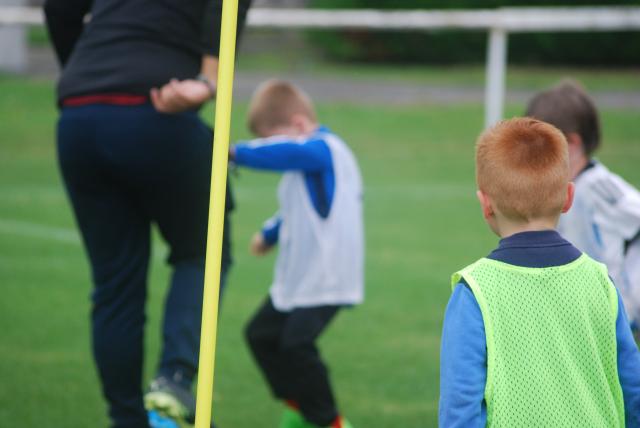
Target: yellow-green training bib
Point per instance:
(551, 344)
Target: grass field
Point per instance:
(422, 223)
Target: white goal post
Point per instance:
(498, 22)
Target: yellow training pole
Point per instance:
(204, 395)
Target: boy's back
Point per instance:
(534, 334)
(552, 347)
(320, 260)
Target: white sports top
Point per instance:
(604, 217)
(321, 260)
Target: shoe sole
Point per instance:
(167, 405)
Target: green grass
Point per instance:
(38, 36)
(422, 223)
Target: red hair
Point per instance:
(522, 164)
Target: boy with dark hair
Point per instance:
(605, 219)
(319, 231)
(534, 334)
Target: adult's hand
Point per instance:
(180, 95)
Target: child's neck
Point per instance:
(578, 163)
(505, 228)
(310, 127)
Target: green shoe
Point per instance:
(345, 423)
(292, 419)
(340, 422)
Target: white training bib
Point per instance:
(321, 260)
(604, 218)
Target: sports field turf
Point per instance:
(422, 223)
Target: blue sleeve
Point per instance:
(628, 368)
(463, 363)
(284, 155)
(271, 230)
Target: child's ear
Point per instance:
(299, 121)
(576, 145)
(302, 123)
(485, 204)
(571, 188)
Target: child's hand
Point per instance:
(258, 246)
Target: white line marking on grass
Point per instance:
(35, 230)
(59, 234)
(30, 192)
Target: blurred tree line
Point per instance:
(447, 47)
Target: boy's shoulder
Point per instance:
(598, 175)
(325, 134)
(485, 264)
(600, 190)
(324, 129)
(460, 275)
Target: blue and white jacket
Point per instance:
(311, 156)
(319, 225)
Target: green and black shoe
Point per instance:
(171, 400)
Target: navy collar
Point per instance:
(539, 249)
(536, 238)
(588, 166)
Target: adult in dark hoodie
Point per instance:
(133, 152)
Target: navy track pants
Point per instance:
(126, 168)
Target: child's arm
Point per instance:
(463, 363)
(283, 154)
(264, 241)
(628, 368)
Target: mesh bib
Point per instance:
(551, 344)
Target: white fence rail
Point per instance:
(498, 22)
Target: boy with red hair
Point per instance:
(535, 334)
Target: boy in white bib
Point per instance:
(604, 221)
(319, 232)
